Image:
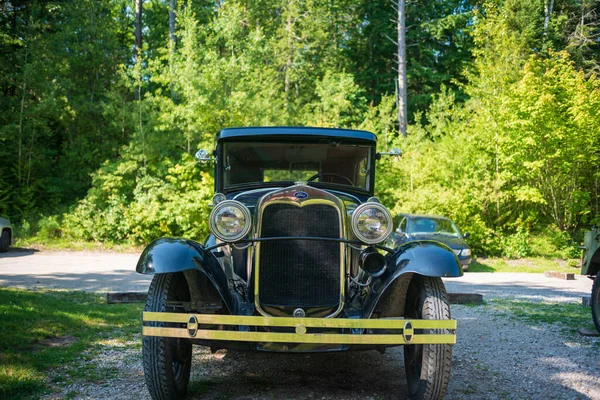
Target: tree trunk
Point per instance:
(172, 43)
(137, 52)
(20, 140)
(401, 95)
(172, 24)
(548, 6)
(288, 64)
(138, 30)
(138, 59)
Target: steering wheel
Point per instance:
(315, 176)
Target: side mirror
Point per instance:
(466, 235)
(203, 156)
(395, 152)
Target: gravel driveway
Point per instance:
(495, 358)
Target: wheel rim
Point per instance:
(415, 364)
(414, 353)
(177, 370)
(178, 359)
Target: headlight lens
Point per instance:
(230, 221)
(463, 252)
(371, 223)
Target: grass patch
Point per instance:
(33, 320)
(60, 244)
(526, 265)
(570, 315)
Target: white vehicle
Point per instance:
(6, 234)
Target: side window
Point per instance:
(402, 225)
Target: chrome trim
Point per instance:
(345, 194)
(286, 196)
(380, 207)
(218, 198)
(232, 203)
(254, 191)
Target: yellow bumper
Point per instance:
(406, 329)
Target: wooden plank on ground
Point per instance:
(465, 298)
(567, 276)
(588, 332)
(125, 297)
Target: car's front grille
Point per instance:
(299, 273)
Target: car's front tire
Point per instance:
(4, 241)
(596, 302)
(167, 361)
(427, 366)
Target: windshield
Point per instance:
(328, 162)
(433, 226)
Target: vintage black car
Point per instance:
(299, 260)
(590, 266)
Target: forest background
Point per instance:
(97, 134)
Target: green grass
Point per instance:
(571, 316)
(31, 319)
(71, 245)
(527, 265)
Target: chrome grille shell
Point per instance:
(289, 197)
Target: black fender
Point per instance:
(427, 258)
(169, 255)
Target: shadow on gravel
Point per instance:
(18, 252)
(351, 375)
(494, 358)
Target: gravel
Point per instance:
(496, 357)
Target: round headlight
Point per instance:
(371, 223)
(230, 221)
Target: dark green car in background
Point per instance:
(590, 266)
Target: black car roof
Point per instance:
(295, 131)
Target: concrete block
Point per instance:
(586, 301)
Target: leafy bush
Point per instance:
(49, 228)
(170, 200)
(551, 242)
(516, 245)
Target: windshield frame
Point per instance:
(220, 169)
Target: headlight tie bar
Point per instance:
(326, 239)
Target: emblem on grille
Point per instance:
(300, 195)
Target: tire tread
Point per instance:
(157, 369)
